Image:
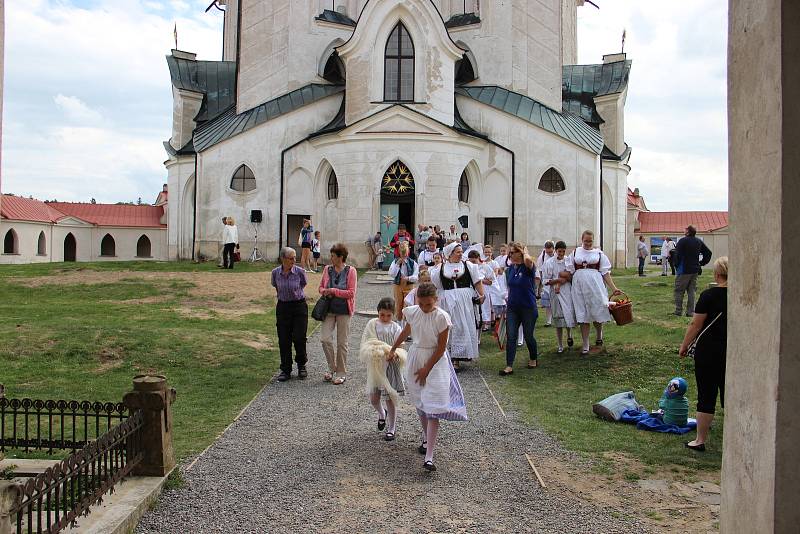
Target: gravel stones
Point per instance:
(306, 457)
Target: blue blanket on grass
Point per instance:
(644, 421)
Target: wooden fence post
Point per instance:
(154, 397)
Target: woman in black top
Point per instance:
(710, 322)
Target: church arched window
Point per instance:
(463, 188)
(11, 243)
(243, 179)
(333, 186)
(143, 247)
(399, 66)
(108, 247)
(41, 247)
(552, 182)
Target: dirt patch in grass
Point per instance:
(666, 497)
(226, 294)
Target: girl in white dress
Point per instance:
(385, 329)
(591, 273)
(411, 298)
(431, 380)
(458, 282)
(488, 280)
(555, 276)
(544, 291)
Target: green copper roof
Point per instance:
(229, 124)
(215, 79)
(564, 125)
(580, 84)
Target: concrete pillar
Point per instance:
(152, 395)
(10, 493)
(761, 460)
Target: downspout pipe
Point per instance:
(283, 188)
(194, 210)
(513, 185)
(602, 226)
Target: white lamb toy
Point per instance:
(373, 353)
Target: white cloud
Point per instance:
(88, 99)
(676, 112)
(76, 110)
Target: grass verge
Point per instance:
(639, 357)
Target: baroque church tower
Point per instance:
(364, 114)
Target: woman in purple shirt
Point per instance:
(291, 314)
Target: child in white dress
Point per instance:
(555, 276)
(384, 329)
(431, 380)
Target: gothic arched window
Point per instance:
(399, 66)
(243, 179)
(11, 243)
(333, 186)
(108, 246)
(552, 182)
(463, 188)
(41, 246)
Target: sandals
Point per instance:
(327, 377)
(599, 342)
(389, 436)
(381, 424)
(428, 466)
(339, 380)
(503, 372)
(422, 449)
(533, 364)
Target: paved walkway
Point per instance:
(307, 457)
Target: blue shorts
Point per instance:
(545, 299)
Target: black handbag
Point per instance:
(321, 309)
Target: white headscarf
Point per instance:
(448, 250)
(478, 247)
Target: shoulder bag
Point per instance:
(323, 305)
(693, 345)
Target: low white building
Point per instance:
(366, 114)
(37, 232)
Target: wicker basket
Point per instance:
(622, 312)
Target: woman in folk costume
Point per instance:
(384, 377)
(431, 380)
(475, 256)
(405, 272)
(555, 276)
(544, 291)
(591, 274)
(457, 282)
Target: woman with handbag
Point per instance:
(706, 339)
(339, 285)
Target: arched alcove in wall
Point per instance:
(70, 248)
(144, 247)
(11, 242)
(41, 245)
(108, 247)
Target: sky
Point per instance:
(88, 101)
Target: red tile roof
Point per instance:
(670, 222)
(637, 201)
(143, 216)
(28, 209)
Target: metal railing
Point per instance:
(50, 425)
(53, 501)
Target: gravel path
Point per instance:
(307, 457)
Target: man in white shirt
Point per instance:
(642, 252)
(666, 256)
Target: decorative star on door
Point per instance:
(398, 180)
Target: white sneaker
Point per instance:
(520, 343)
(560, 350)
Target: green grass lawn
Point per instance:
(641, 357)
(88, 341)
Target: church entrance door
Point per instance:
(496, 232)
(397, 201)
(294, 223)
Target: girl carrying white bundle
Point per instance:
(384, 375)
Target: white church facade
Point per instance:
(362, 114)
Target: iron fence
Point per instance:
(49, 425)
(54, 500)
